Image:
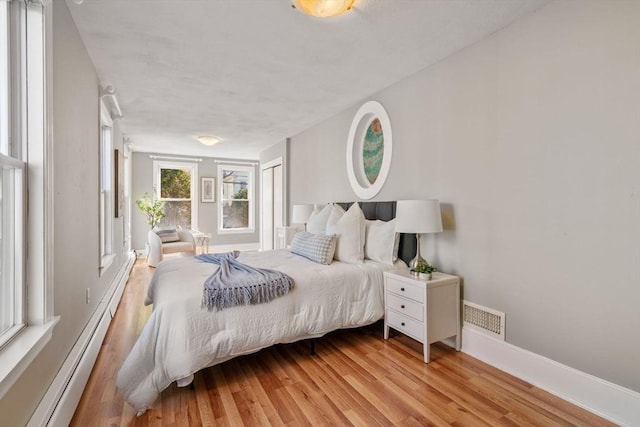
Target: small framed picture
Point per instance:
(208, 190)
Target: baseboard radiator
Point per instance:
(63, 395)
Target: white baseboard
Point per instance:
(61, 399)
(608, 400)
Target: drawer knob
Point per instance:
(402, 306)
(402, 289)
(402, 323)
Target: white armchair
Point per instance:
(157, 249)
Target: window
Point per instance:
(12, 193)
(236, 211)
(4, 78)
(11, 246)
(106, 192)
(26, 283)
(175, 185)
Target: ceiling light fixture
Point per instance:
(323, 8)
(208, 140)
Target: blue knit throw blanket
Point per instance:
(235, 283)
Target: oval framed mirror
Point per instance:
(369, 150)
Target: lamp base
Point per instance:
(417, 261)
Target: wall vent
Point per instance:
(483, 319)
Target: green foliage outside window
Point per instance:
(175, 184)
(242, 194)
(175, 190)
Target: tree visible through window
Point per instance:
(175, 188)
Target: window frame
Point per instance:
(251, 199)
(158, 165)
(5, 80)
(30, 43)
(105, 193)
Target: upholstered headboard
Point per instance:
(386, 211)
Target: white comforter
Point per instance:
(180, 338)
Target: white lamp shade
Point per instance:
(301, 213)
(418, 216)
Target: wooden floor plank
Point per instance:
(231, 411)
(356, 378)
(290, 412)
(347, 399)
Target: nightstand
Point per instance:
(284, 235)
(427, 311)
(202, 241)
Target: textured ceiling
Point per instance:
(255, 72)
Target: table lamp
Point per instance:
(418, 216)
(301, 214)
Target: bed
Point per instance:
(180, 338)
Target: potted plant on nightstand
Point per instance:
(424, 270)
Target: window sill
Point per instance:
(18, 354)
(238, 231)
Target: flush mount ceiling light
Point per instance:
(208, 140)
(323, 8)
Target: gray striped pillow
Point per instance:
(316, 247)
(168, 235)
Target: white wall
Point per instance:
(76, 199)
(531, 139)
(207, 212)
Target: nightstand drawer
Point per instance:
(405, 306)
(406, 325)
(405, 289)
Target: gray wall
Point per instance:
(76, 187)
(530, 138)
(207, 212)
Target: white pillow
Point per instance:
(318, 220)
(381, 242)
(349, 229)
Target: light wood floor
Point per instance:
(356, 378)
